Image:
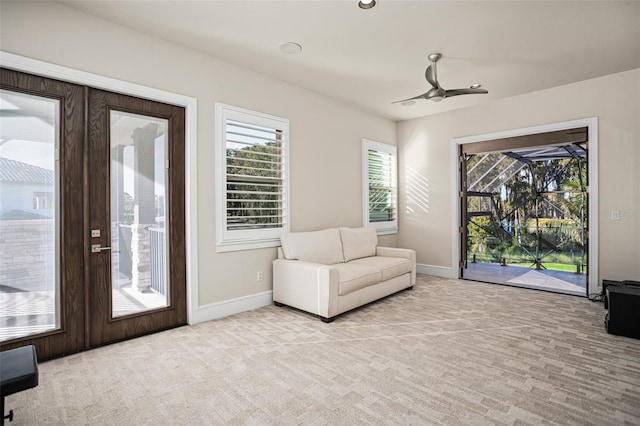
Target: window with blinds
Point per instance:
(254, 188)
(380, 189)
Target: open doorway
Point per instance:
(525, 211)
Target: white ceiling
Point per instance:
(370, 58)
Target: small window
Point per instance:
(380, 189)
(252, 175)
(42, 200)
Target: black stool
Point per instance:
(18, 372)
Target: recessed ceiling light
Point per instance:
(366, 4)
(290, 48)
(408, 103)
(475, 86)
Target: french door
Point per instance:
(91, 215)
(136, 251)
(41, 214)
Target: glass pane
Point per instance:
(382, 175)
(29, 215)
(139, 263)
(255, 189)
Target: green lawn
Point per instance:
(559, 267)
(568, 267)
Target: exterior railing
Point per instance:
(158, 262)
(124, 250)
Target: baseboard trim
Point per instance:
(438, 271)
(233, 306)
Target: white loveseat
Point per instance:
(335, 270)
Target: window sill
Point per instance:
(387, 231)
(227, 246)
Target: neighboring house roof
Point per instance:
(19, 172)
(21, 215)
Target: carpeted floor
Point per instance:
(448, 352)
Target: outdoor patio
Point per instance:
(520, 276)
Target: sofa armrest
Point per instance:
(312, 287)
(400, 252)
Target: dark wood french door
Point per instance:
(91, 215)
(42, 249)
(136, 260)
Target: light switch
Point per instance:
(615, 214)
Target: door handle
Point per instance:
(95, 248)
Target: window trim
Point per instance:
(246, 239)
(386, 227)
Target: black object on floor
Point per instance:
(623, 317)
(18, 372)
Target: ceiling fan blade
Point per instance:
(423, 96)
(456, 92)
(430, 75)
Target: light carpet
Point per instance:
(448, 352)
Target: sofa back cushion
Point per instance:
(318, 246)
(358, 242)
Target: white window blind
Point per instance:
(381, 201)
(254, 180)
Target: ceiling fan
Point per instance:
(437, 93)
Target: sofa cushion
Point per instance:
(323, 247)
(354, 277)
(389, 267)
(358, 242)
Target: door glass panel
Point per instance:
(139, 263)
(29, 215)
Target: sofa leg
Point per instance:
(278, 304)
(327, 320)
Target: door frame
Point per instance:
(190, 104)
(591, 123)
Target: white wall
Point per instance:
(325, 135)
(424, 150)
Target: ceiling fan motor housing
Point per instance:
(436, 94)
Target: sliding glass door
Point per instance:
(525, 204)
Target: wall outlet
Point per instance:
(259, 276)
(615, 214)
